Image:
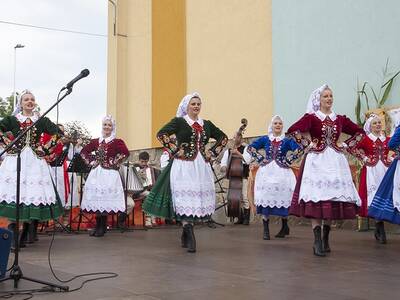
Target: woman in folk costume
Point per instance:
(385, 205)
(74, 147)
(275, 181)
(38, 197)
(59, 173)
(185, 189)
(373, 150)
(103, 192)
(325, 189)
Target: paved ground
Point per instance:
(231, 263)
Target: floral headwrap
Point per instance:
(18, 107)
(270, 129)
(314, 101)
(183, 106)
(367, 125)
(114, 127)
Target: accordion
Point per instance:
(131, 181)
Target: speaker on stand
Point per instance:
(6, 236)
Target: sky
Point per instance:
(50, 59)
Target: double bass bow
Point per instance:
(235, 175)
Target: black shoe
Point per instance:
(266, 235)
(380, 226)
(246, 216)
(377, 232)
(191, 239)
(184, 240)
(318, 242)
(32, 232)
(284, 229)
(35, 235)
(325, 238)
(122, 222)
(102, 227)
(12, 227)
(97, 228)
(240, 218)
(383, 234)
(24, 235)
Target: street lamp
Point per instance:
(17, 46)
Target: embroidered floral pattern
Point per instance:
(168, 144)
(274, 186)
(198, 142)
(36, 184)
(32, 140)
(194, 202)
(103, 191)
(371, 152)
(277, 195)
(274, 153)
(195, 211)
(101, 157)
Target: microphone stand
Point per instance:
(16, 272)
(71, 191)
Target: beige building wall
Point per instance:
(129, 71)
(229, 61)
(164, 48)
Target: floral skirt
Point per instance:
(274, 186)
(183, 191)
(315, 180)
(38, 198)
(192, 188)
(103, 192)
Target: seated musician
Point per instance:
(148, 176)
(238, 149)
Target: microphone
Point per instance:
(84, 73)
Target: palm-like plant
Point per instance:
(366, 92)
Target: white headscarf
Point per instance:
(183, 106)
(367, 125)
(114, 127)
(18, 107)
(271, 131)
(314, 102)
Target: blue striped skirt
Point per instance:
(382, 207)
(274, 211)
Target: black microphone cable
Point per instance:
(106, 274)
(31, 292)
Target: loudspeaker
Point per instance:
(6, 237)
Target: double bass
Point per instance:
(235, 176)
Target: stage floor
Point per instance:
(231, 263)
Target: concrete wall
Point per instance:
(129, 71)
(247, 58)
(334, 42)
(229, 61)
(166, 48)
